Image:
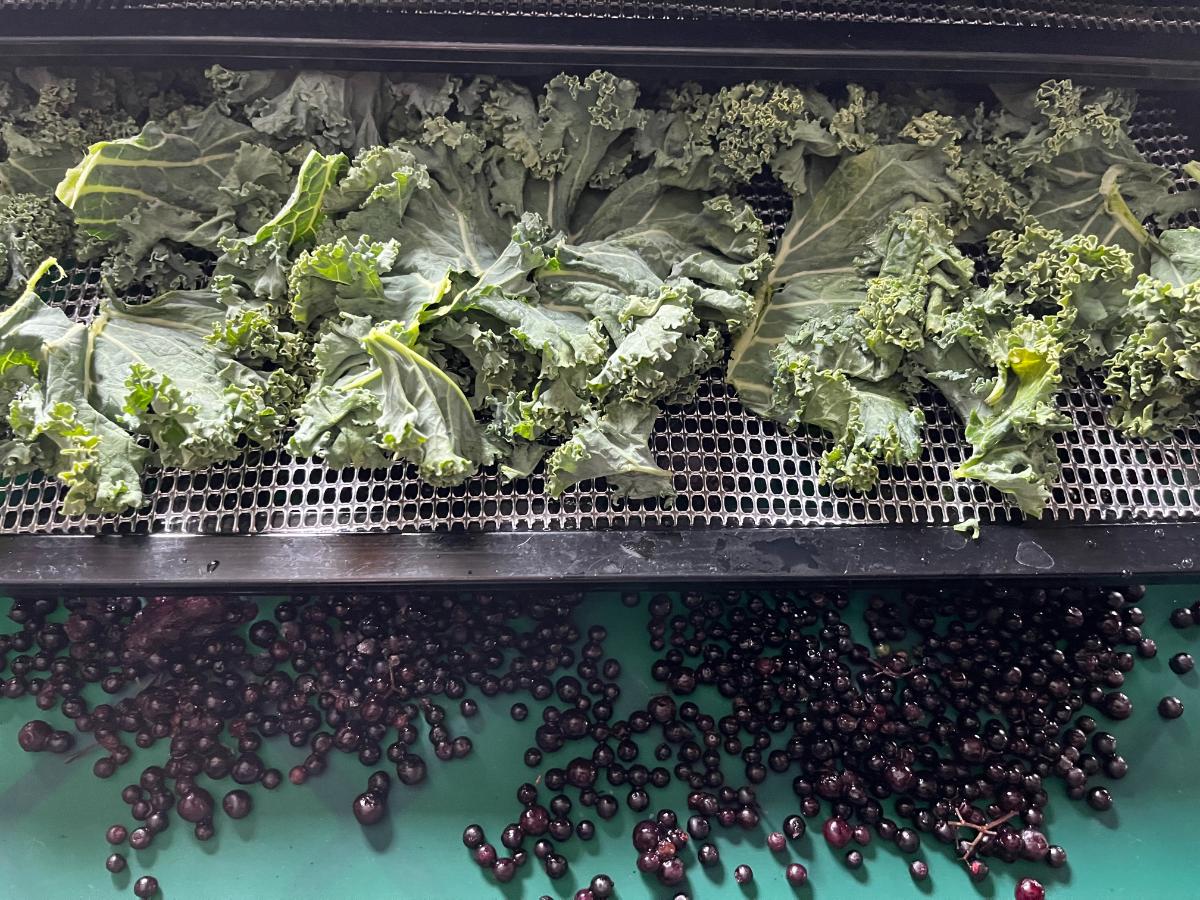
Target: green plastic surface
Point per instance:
(304, 842)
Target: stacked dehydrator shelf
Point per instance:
(749, 506)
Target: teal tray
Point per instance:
(304, 842)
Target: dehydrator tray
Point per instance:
(749, 505)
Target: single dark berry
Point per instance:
(648, 861)
(1182, 617)
(535, 820)
(645, 835)
(1118, 706)
(918, 869)
(560, 829)
(33, 735)
(837, 832)
(743, 874)
(601, 887)
(1034, 845)
(671, 871)
(1099, 798)
(1181, 663)
(115, 863)
(411, 769)
(472, 836)
(145, 887)
(504, 869)
(59, 742)
(1104, 743)
(140, 838)
(1170, 707)
(369, 808)
(116, 834)
(907, 840)
(794, 828)
(585, 829)
(485, 855)
(1029, 889)
(977, 869)
(512, 836)
(237, 804)
(195, 806)
(1056, 856)
(708, 855)
(607, 806)
(861, 835)
(556, 866)
(796, 874)
(638, 800)
(204, 831)
(468, 708)
(854, 859)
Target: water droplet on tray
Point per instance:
(1031, 555)
(212, 565)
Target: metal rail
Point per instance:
(309, 562)
(364, 37)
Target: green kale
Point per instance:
(32, 228)
(1153, 376)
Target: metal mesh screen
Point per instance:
(1080, 14)
(731, 468)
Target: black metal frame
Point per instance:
(298, 563)
(382, 38)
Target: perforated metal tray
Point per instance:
(1133, 42)
(731, 468)
(1032, 13)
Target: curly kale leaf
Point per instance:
(1075, 280)
(1058, 155)
(337, 419)
(1011, 430)
(164, 190)
(378, 397)
(331, 111)
(613, 445)
(816, 289)
(1153, 376)
(156, 368)
(32, 228)
(50, 421)
(579, 133)
(48, 121)
(261, 261)
(702, 140)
